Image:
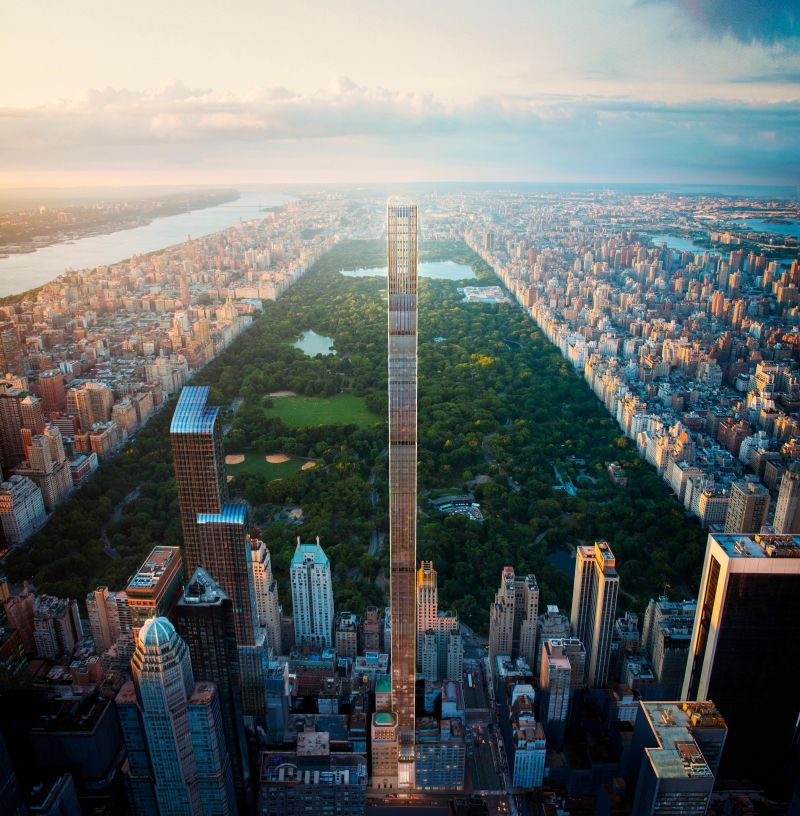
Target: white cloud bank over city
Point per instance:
(614, 112)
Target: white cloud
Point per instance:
(357, 126)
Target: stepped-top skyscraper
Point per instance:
(214, 528)
(402, 240)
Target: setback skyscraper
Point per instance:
(214, 528)
(402, 243)
(177, 724)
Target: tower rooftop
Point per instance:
(191, 414)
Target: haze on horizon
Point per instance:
(671, 91)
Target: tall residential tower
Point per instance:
(402, 240)
(594, 604)
(214, 528)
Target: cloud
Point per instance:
(750, 21)
(352, 127)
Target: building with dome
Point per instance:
(177, 762)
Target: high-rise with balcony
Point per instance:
(266, 591)
(402, 233)
(594, 605)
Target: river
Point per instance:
(21, 272)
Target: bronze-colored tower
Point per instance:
(402, 240)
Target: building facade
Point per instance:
(402, 261)
(594, 605)
(742, 649)
(312, 596)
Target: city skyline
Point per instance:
(703, 92)
(337, 403)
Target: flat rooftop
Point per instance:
(759, 546)
(154, 567)
(678, 755)
(290, 768)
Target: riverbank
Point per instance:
(186, 203)
(29, 271)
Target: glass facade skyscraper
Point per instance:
(214, 528)
(402, 241)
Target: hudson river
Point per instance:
(21, 272)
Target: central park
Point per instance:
(502, 418)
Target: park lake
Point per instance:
(312, 344)
(443, 270)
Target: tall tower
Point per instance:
(214, 529)
(266, 589)
(744, 649)
(427, 600)
(203, 618)
(402, 242)
(178, 724)
(748, 507)
(312, 596)
(501, 617)
(787, 511)
(594, 605)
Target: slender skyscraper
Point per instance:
(402, 240)
(203, 618)
(594, 604)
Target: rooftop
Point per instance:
(153, 568)
(309, 552)
(759, 546)
(677, 754)
(191, 414)
(202, 589)
(291, 768)
(233, 513)
(156, 633)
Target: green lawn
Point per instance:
(343, 409)
(255, 463)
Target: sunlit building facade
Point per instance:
(402, 241)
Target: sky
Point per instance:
(256, 91)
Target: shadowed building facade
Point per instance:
(744, 655)
(215, 535)
(402, 243)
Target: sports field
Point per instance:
(256, 463)
(343, 409)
